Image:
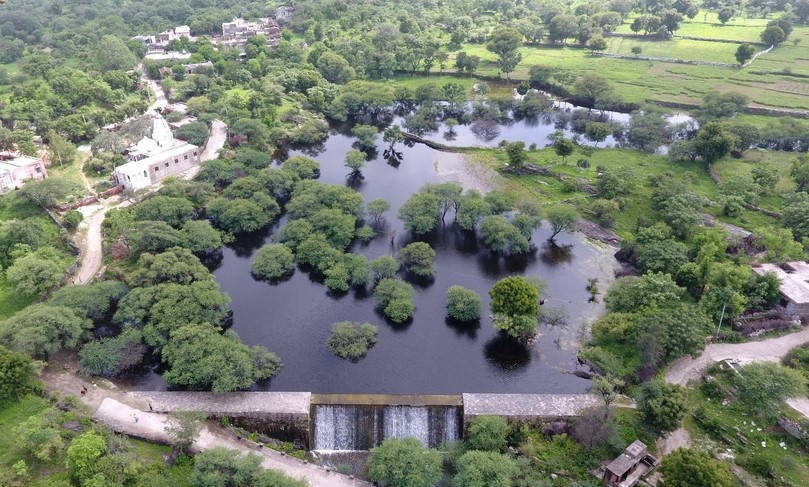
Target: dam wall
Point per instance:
(339, 422)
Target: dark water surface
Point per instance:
(429, 353)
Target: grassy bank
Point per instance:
(551, 189)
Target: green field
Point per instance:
(770, 81)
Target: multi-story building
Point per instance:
(236, 32)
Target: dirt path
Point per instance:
(118, 409)
(687, 369)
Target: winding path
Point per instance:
(687, 369)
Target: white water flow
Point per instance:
(348, 427)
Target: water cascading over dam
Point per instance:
(363, 426)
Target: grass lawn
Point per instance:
(688, 49)
(754, 441)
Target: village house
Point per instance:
(15, 169)
(634, 464)
(159, 43)
(794, 287)
(236, 32)
(154, 158)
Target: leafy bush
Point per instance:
(396, 299)
(463, 304)
(273, 261)
(72, 219)
(351, 340)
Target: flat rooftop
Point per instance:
(135, 167)
(17, 162)
(794, 279)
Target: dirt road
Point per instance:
(771, 350)
(687, 369)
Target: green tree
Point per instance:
(563, 218)
(597, 131)
(176, 265)
(182, 429)
(488, 433)
(194, 133)
(485, 469)
(355, 160)
(92, 301)
(795, 214)
(501, 236)
(773, 35)
(153, 237)
(112, 54)
(83, 453)
(763, 386)
(61, 150)
(632, 293)
(39, 434)
(694, 468)
(800, 173)
(201, 238)
(335, 68)
(221, 467)
(384, 266)
(713, 142)
(418, 258)
(40, 329)
(420, 213)
(302, 167)
(366, 137)
(404, 463)
(174, 211)
(592, 89)
(376, 207)
(17, 375)
(395, 297)
(765, 176)
(35, 273)
(516, 155)
(563, 148)
(662, 406)
(243, 215)
(200, 357)
(744, 52)
(112, 356)
(472, 208)
(597, 44)
(448, 194)
(779, 245)
(463, 304)
(515, 306)
(505, 42)
(47, 192)
(273, 261)
(351, 340)
(682, 328)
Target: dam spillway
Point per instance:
(360, 422)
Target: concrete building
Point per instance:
(794, 288)
(15, 169)
(236, 32)
(154, 158)
(159, 42)
(634, 464)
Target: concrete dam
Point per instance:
(340, 422)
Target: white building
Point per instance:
(154, 158)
